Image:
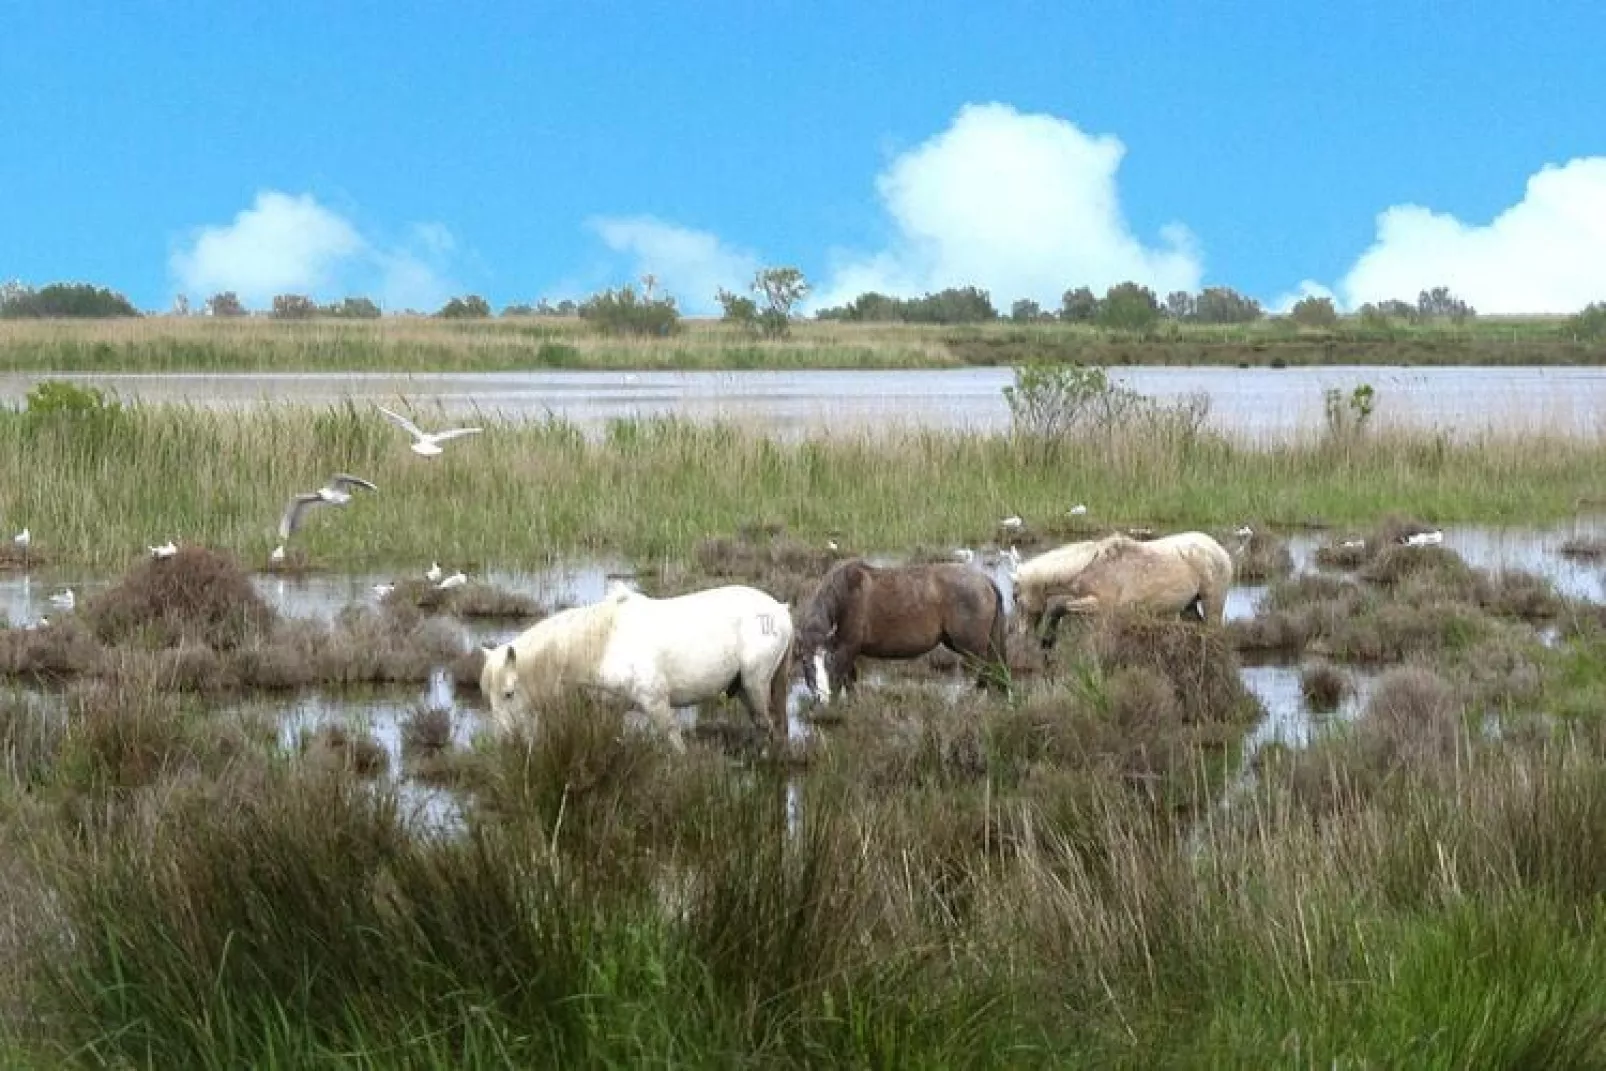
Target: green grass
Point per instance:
(971, 886)
(97, 488)
(165, 344)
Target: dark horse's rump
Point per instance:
(901, 612)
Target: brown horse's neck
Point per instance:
(824, 610)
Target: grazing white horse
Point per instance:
(656, 654)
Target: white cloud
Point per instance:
(1024, 206)
(1306, 288)
(285, 244)
(690, 264)
(1547, 253)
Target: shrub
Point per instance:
(1129, 307)
(293, 307)
(1347, 418)
(226, 303)
(1313, 311)
(621, 312)
(472, 307)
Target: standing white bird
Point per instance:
(456, 580)
(337, 492)
(964, 554)
(166, 550)
(433, 573)
(1076, 511)
(1245, 532)
(382, 590)
(1353, 544)
(1013, 523)
(23, 538)
(64, 600)
(427, 443)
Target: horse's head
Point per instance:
(500, 684)
(818, 666)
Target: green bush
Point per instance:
(622, 312)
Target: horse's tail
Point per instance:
(998, 635)
(781, 681)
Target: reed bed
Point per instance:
(412, 343)
(963, 884)
(97, 487)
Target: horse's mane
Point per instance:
(821, 611)
(573, 638)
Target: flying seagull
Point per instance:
(427, 444)
(337, 492)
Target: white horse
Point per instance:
(656, 654)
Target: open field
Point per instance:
(157, 344)
(1082, 874)
(97, 486)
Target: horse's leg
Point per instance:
(1213, 607)
(656, 706)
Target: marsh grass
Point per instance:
(965, 883)
(528, 493)
(412, 343)
(1404, 602)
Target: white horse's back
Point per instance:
(655, 653)
(702, 641)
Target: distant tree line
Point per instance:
(768, 308)
(76, 300)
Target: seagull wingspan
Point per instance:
(293, 513)
(453, 433)
(402, 422)
(343, 480)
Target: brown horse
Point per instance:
(898, 612)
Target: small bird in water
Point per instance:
(426, 444)
(1424, 539)
(337, 492)
(64, 600)
(433, 573)
(166, 550)
(456, 580)
(1353, 544)
(383, 590)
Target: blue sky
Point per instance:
(521, 150)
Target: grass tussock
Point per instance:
(1584, 548)
(1405, 602)
(472, 600)
(1259, 558)
(1199, 664)
(1323, 686)
(197, 595)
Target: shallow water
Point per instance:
(1254, 402)
(24, 599)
